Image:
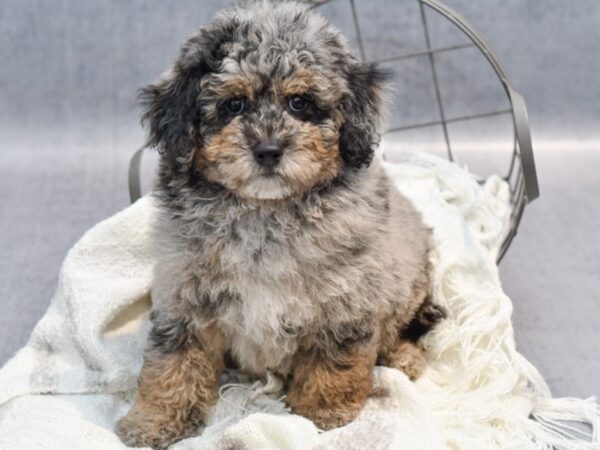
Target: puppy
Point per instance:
(283, 245)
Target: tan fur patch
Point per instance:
(305, 81)
(221, 159)
(175, 393)
(223, 146)
(313, 159)
(316, 155)
(238, 86)
(302, 81)
(331, 393)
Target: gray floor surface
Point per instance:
(68, 124)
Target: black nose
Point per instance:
(268, 154)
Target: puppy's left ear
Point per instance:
(363, 113)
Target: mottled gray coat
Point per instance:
(304, 261)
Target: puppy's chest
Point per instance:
(255, 249)
(257, 265)
(270, 304)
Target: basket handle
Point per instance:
(134, 179)
(521, 120)
(523, 135)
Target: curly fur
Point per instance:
(315, 270)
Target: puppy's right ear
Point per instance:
(170, 112)
(171, 106)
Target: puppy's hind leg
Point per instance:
(404, 355)
(426, 318)
(176, 387)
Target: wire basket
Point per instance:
(520, 172)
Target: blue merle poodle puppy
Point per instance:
(283, 246)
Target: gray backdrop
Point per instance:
(68, 124)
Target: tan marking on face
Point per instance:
(314, 158)
(225, 158)
(223, 146)
(311, 159)
(238, 86)
(302, 81)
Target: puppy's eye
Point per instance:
(236, 106)
(297, 103)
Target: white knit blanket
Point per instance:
(76, 376)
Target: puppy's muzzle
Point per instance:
(268, 153)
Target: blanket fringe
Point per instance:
(566, 423)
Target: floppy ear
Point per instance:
(171, 106)
(170, 111)
(363, 111)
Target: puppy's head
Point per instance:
(267, 101)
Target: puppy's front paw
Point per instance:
(145, 432)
